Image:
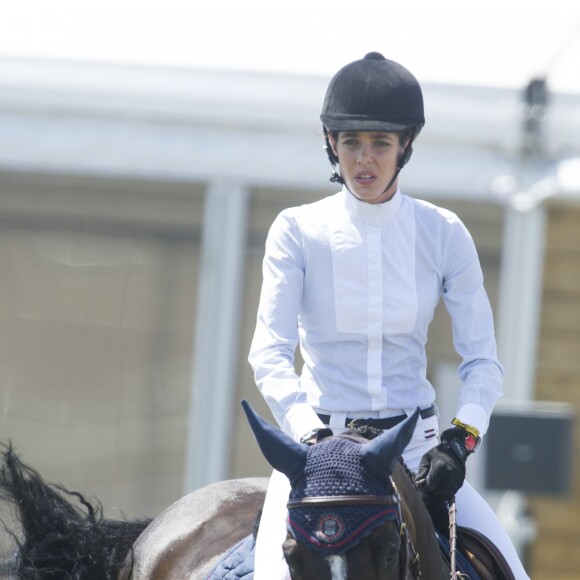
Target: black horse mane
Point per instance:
(65, 537)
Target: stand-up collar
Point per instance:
(371, 213)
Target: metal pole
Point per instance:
(523, 252)
(217, 330)
(521, 282)
(520, 298)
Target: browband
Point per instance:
(344, 500)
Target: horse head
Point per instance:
(344, 516)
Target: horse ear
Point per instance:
(381, 454)
(281, 451)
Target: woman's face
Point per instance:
(368, 162)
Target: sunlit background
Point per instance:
(146, 147)
(499, 43)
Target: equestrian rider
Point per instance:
(354, 279)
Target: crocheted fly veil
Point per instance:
(334, 468)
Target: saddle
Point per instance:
(483, 555)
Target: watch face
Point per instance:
(470, 443)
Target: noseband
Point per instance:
(391, 503)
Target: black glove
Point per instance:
(316, 435)
(442, 469)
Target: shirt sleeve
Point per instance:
(276, 335)
(466, 301)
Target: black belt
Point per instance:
(386, 423)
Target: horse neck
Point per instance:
(420, 527)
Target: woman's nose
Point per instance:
(364, 154)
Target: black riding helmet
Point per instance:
(373, 94)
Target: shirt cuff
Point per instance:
(474, 415)
(299, 420)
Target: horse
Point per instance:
(354, 512)
(58, 534)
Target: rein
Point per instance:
(453, 540)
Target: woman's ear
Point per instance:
(332, 141)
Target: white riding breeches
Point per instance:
(472, 511)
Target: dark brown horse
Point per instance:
(63, 537)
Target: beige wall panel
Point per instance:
(562, 274)
(553, 554)
(97, 303)
(561, 314)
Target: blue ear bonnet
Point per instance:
(334, 468)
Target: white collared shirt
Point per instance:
(356, 284)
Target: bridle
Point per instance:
(322, 500)
(409, 564)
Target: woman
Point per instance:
(355, 278)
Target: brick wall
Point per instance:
(555, 554)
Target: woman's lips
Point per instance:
(365, 178)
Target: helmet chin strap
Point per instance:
(384, 191)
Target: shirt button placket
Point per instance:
(375, 315)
